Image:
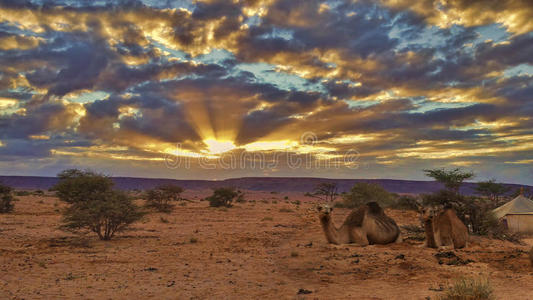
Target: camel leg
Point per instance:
(359, 237)
(399, 239)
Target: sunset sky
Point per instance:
(398, 86)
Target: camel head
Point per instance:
(428, 212)
(324, 211)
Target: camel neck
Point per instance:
(430, 235)
(330, 230)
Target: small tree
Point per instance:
(452, 179)
(363, 192)
(161, 197)
(223, 197)
(492, 190)
(6, 199)
(326, 191)
(94, 205)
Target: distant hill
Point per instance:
(277, 184)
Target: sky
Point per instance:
(220, 89)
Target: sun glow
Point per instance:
(218, 146)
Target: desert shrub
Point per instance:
(413, 232)
(493, 228)
(76, 186)
(22, 193)
(240, 197)
(161, 197)
(325, 191)
(405, 202)
(38, 193)
(6, 199)
(469, 289)
(339, 204)
(362, 193)
(223, 197)
(112, 213)
(94, 205)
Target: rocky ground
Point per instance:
(269, 248)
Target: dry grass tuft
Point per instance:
(469, 289)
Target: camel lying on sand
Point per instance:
(443, 228)
(366, 225)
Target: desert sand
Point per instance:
(272, 248)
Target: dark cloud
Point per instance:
(389, 72)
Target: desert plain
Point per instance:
(269, 247)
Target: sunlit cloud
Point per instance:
(403, 84)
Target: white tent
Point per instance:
(517, 214)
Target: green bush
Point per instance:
(223, 197)
(362, 193)
(469, 289)
(6, 199)
(76, 186)
(405, 202)
(22, 193)
(161, 197)
(94, 205)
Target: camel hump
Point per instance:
(356, 217)
(374, 208)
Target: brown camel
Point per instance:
(366, 225)
(443, 228)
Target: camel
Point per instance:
(365, 226)
(443, 228)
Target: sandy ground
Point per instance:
(268, 249)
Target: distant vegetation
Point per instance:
(94, 204)
(161, 197)
(22, 193)
(327, 191)
(451, 179)
(363, 192)
(6, 199)
(223, 197)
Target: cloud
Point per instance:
(404, 82)
(514, 14)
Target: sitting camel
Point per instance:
(366, 225)
(443, 228)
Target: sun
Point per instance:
(218, 146)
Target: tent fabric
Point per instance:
(519, 205)
(522, 223)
